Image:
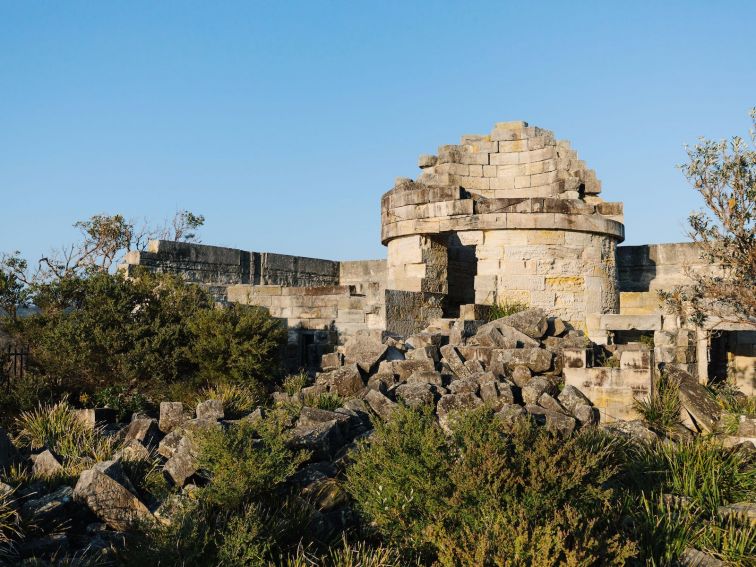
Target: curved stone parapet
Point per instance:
(512, 216)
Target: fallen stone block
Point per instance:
(547, 401)
(365, 352)
(635, 430)
(536, 387)
(533, 322)
(183, 463)
(521, 375)
(110, 501)
(696, 400)
(554, 421)
(345, 381)
(322, 440)
(45, 464)
(464, 385)
(451, 404)
(692, 557)
(133, 451)
(210, 409)
(536, 359)
(511, 413)
(50, 509)
(331, 361)
(556, 327)
(425, 377)
(145, 430)
(416, 395)
(380, 404)
(452, 357)
(171, 416)
(744, 511)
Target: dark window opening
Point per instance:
(634, 336)
(461, 271)
(719, 347)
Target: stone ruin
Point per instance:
(511, 217)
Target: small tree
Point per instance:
(724, 174)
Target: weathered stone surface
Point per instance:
(345, 381)
(510, 337)
(169, 443)
(365, 352)
(521, 375)
(634, 429)
(692, 557)
(110, 501)
(314, 416)
(323, 440)
(557, 327)
(464, 385)
(144, 430)
(425, 377)
(50, 508)
(8, 453)
(133, 451)
(747, 426)
(183, 463)
(210, 409)
(537, 386)
(555, 421)
(406, 368)
(450, 404)
(550, 403)
(533, 322)
(510, 413)
(380, 404)
(45, 464)
(454, 360)
(426, 339)
(171, 416)
(491, 336)
(331, 361)
(578, 405)
(536, 359)
(416, 394)
(496, 394)
(697, 401)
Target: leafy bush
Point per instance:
(238, 343)
(119, 398)
(237, 400)
(488, 496)
(106, 336)
(661, 410)
(58, 428)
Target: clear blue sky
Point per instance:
(284, 123)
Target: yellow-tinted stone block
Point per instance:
(565, 283)
(545, 237)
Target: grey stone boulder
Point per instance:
(170, 442)
(380, 404)
(171, 416)
(314, 416)
(536, 359)
(49, 509)
(366, 352)
(454, 360)
(496, 394)
(549, 402)
(345, 381)
(634, 430)
(424, 353)
(510, 337)
(452, 404)
(532, 322)
(110, 501)
(511, 413)
(537, 386)
(416, 395)
(133, 451)
(45, 464)
(426, 377)
(183, 463)
(555, 421)
(697, 401)
(145, 430)
(322, 440)
(210, 410)
(578, 405)
(406, 368)
(331, 361)
(744, 511)
(464, 385)
(521, 375)
(692, 557)
(556, 327)
(426, 339)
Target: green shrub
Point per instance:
(237, 343)
(661, 410)
(245, 461)
(505, 309)
(237, 400)
(58, 428)
(119, 398)
(489, 496)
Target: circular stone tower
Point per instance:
(510, 217)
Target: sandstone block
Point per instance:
(171, 416)
(110, 501)
(380, 404)
(210, 409)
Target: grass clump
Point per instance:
(505, 308)
(325, 401)
(10, 524)
(294, 383)
(58, 428)
(661, 410)
(237, 400)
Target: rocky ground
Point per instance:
(512, 365)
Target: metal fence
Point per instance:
(14, 360)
